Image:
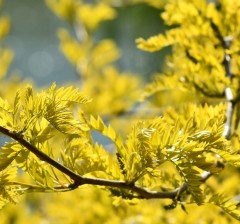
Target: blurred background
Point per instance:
(37, 55)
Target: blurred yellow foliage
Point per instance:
(75, 52)
(4, 26)
(63, 8)
(113, 93)
(88, 56)
(87, 15)
(6, 57)
(92, 15)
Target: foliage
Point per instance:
(181, 158)
(199, 41)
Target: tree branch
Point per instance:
(79, 180)
(226, 43)
(141, 193)
(19, 138)
(228, 92)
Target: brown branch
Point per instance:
(142, 193)
(79, 180)
(19, 138)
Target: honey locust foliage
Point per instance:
(184, 157)
(199, 38)
(187, 144)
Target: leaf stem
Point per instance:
(37, 188)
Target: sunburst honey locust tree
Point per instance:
(175, 164)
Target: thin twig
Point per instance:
(37, 188)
